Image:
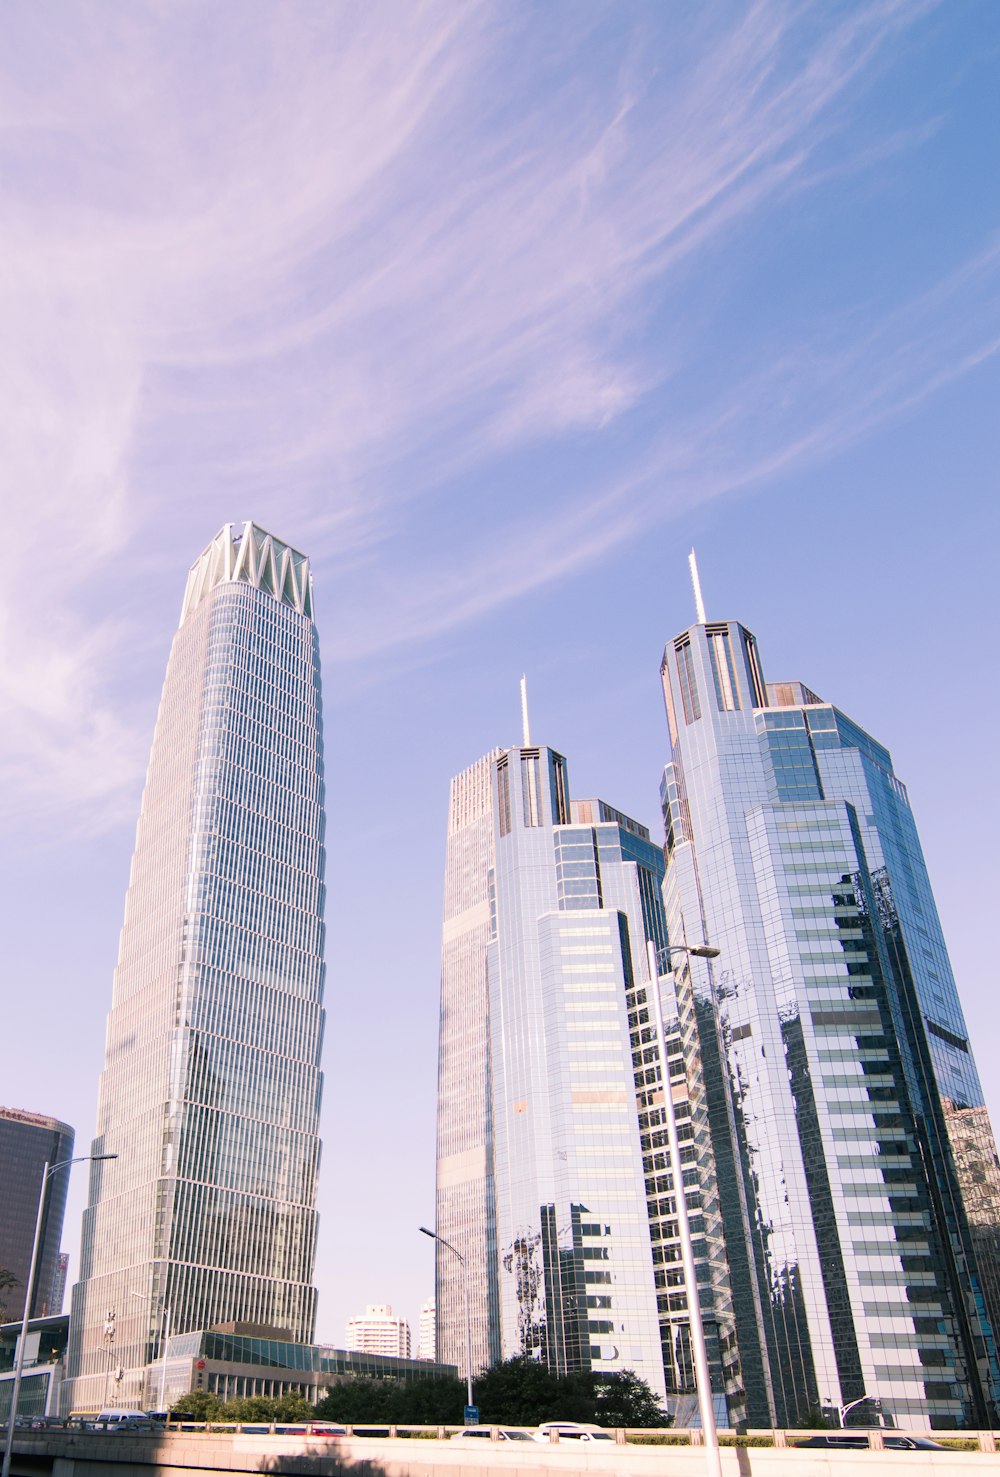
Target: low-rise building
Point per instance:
(233, 1365)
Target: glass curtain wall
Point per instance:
(833, 1046)
(210, 1093)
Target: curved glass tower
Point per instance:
(211, 1087)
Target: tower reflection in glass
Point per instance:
(211, 1087)
(832, 1048)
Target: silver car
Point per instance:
(572, 1431)
(504, 1433)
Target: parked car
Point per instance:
(573, 1431)
(484, 1433)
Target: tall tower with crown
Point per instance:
(211, 1087)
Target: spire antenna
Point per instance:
(525, 730)
(699, 604)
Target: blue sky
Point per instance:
(494, 310)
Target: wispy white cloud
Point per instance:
(331, 265)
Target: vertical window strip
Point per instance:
(530, 793)
(560, 795)
(753, 671)
(503, 794)
(726, 687)
(669, 702)
(685, 675)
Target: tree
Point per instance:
(353, 1401)
(523, 1392)
(7, 1281)
(199, 1405)
(205, 1405)
(625, 1399)
(287, 1407)
(433, 1401)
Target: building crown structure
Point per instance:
(256, 558)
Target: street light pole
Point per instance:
(163, 1366)
(703, 1382)
(468, 1321)
(47, 1174)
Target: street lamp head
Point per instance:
(97, 1158)
(431, 1234)
(704, 951)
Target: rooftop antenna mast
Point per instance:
(699, 604)
(525, 730)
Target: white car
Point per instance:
(572, 1431)
(481, 1433)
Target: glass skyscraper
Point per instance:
(29, 1142)
(542, 1163)
(854, 1161)
(211, 1087)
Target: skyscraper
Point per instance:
(211, 1087)
(29, 1142)
(540, 1175)
(832, 1049)
(58, 1293)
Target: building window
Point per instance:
(503, 795)
(560, 791)
(754, 672)
(686, 678)
(530, 793)
(668, 701)
(726, 687)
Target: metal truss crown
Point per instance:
(250, 554)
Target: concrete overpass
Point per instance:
(70, 1453)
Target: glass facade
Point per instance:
(234, 1366)
(211, 1088)
(465, 1198)
(44, 1352)
(831, 1052)
(544, 1166)
(29, 1142)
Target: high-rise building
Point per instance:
(58, 1294)
(29, 1142)
(427, 1331)
(833, 1058)
(541, 1182)
(211, 1087)
(378, 1331)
